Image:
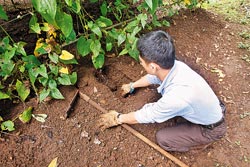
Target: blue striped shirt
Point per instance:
(184, 93)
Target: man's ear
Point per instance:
(154, 66)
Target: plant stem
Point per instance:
(7, 34)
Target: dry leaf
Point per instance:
(66, 55)
(53, 163)
(64, 70)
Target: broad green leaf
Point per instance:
(65, 23)
(52, 84)
(54, 58)
(72, 61)
(134, 53)
(113, 34)
(109, 46)
(9, 54)
(73, 78)
(64, 79)
(123, 52)
(69, 2)
(56, 94)
(47, 8)
(20, 48)
(150, 3)
(54, 69)
(34, 26)
(3, 14)
(143, 19)
(53, 163)
(43, 94)
(4, 95)
(95, 47)
(6, 68)
(83, 46)
(31, 61)
(104, 10)
(76, 6)
(130, 27)
(42, 70)
(25, 116)
(104, 22)
(71, 37)
(96, 30)
(7, 125)
(43, 81)
(121, 38)
(98, 61)
(22, 90)
(40, 117)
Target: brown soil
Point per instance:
(204, 42)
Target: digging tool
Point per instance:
(136, 133)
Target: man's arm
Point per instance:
(128, 118)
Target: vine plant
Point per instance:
(106, 26)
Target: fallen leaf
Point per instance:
(40, 117)
(66, 55)
(219, 72)
(8, 125)
(53, 163)
(25, 116)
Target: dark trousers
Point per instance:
(185, 135)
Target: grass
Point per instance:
(233, 10)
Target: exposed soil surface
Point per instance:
(203, 41)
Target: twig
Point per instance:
(136, 133)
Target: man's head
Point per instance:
(157, 47)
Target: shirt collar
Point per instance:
(167, 79)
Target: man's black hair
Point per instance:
(157, 47)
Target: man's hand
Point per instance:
(108, 120)
(127, 88)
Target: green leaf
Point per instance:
(34, 26)
(83, 46)
(64, 79)
(104, 10)
(25, 116)
(52, 84)
(149, 3)
(43, 81)
(22, 90)
(6, 68)
(96, 30)
(95, 47)
(104, 22)
(43, 94)
(8, 125)
(98, 61)
(73, 78)
(65, 23)
(121, 38)
(42, 70)
(55, 93)
(8, 55)
(72, 61)
(143, 19)
(109, 46)
(69, 2)
(3, 14)
(54, 69)
(31, 61)
(40, 117)
(20, 48)
(4, 95)
(76, 6)
(123, 52)
(47, 8)
(54, 58)
(71, 37)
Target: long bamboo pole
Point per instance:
(136, 133)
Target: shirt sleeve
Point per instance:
(152, 79)
(164, 109)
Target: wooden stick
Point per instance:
(67, 112)
(136, 133)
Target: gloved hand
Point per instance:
(127, 88)
(108, 120)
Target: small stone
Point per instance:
(85, 134)
(97, 141)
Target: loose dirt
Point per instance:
(204, 41)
